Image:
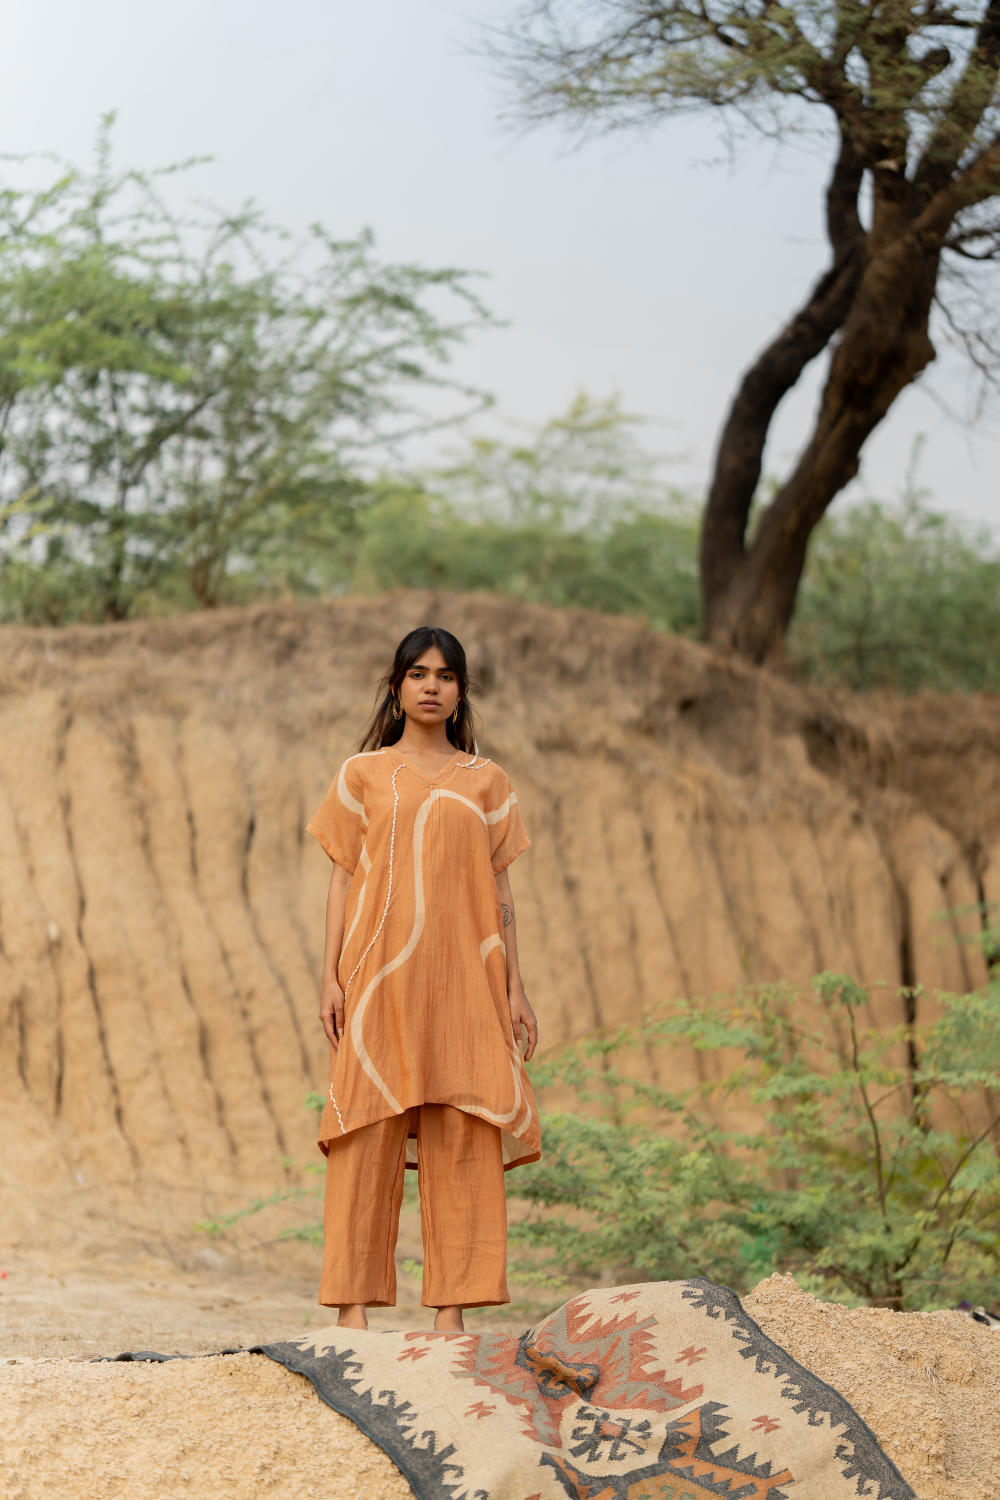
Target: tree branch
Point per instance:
(843, 222)
(979, 181)
(964, 111)
(960, 1163)
(775, 372)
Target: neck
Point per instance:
(428, 739)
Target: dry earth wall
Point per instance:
(697, 824)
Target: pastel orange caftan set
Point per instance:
(427, 1073)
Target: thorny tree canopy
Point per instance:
(907, 92)
(910, 88)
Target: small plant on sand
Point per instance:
(863, 1161)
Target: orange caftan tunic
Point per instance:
(423, 964)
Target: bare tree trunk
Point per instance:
(749, 598)
(772, 375)
(114, 603)
(911, 92)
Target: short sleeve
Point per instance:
(508, 837)
(338, 822)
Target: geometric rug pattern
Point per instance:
(661, 1391)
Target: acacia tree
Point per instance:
(187, 399)
(906, 96)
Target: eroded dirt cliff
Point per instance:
(696, 824)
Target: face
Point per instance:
(429, 691)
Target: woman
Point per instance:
(421, 997)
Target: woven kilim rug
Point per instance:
(663, 1391)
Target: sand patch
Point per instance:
(205, 1428)
(925, 1382)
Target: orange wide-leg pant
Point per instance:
(463, 1210)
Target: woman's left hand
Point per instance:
(522, 1015)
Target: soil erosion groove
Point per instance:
(697, 824)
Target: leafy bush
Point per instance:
(643, 564)
(574, 512)
(900, 597)
(189, 413)
(188, 403)
(866, 1179)
(869, 1180)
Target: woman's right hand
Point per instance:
(331, 1011)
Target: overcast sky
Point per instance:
(628, 265)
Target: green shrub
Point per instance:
(902, 597)
(868, 1180)
(640, 564)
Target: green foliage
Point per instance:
(866, 1180)
(902, 598)
(834, 1159)
(188, 414)
(576, 514)
(903, 101)
(183, 401)
(311, 1231)
(910, 74)
(572, 514)
(583, 468)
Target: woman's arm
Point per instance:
(331, 996)
(521, 1013)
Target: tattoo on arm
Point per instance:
(508, 913)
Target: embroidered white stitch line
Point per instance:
(343, 1127)
(470, 765)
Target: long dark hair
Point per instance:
(384, 728)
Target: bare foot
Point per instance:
(352, 1315)
(449, 1320)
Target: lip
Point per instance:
(429, 703)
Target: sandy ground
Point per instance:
(241, 1426)
(63, 1310)
(119, 1271)
(926, 1383)
(158, 959)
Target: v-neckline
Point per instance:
(449, 764)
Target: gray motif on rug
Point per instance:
(660, 1391)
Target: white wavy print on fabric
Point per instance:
(513, 1056)
(486, 947)
(353, 805)
(366, 865)
(357, 1020)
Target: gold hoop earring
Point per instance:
(454, 717)
(397, 712)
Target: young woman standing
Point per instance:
(421, 997)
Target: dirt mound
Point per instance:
(144, 1431)
(697, 824)
(924, 1382)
